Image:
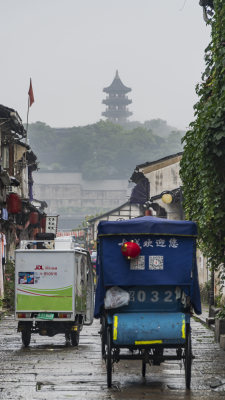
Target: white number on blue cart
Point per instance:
(154, 296)
(141, 296)
(168, 296)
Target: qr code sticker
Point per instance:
(156, 262)
(137, 263)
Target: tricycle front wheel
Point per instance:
(109, 357)
(26, 336)
(103, 337)
(143, 368)
(188, 358)
(74, 338)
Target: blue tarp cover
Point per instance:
(148, 225)
(168, 256)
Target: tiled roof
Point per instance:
(117, 86)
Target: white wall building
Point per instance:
(163, 176)
(123, 212)
(72, 197)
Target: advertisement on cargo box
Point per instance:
(45, 281)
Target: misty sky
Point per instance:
(72, 48)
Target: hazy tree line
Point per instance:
(103, 150)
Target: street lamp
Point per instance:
(174, 196)
(167, 197)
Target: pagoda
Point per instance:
(117, 101)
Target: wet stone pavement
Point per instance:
(47, 369)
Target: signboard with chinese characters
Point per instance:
(51, 223)
(164, 260)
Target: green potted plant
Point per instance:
(220, 323)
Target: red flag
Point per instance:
(31, 94)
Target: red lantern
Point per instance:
(34, 218)
(130, 250)
(148, 212)
(43, 223)
(14, 204)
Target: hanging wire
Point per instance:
(5, 120)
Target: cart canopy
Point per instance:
(167, 257)
(148, 225)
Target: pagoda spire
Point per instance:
(117, 101)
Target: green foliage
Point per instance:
(221, 313)
(204, 291)
(203, 162)
(9, 285)
(218, 300)
(102, 150)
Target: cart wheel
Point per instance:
(103, 338)
(143, 368)
(74, 337)
(188, 358)
(67, 338)
(26, 336)
(109, 357)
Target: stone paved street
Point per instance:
(50, 370)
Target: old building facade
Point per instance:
(72, 197)
(165, 196)
(163, 176)
(123, 212)
(17, 163)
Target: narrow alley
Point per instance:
(48, 369)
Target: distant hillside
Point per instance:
(102, 150)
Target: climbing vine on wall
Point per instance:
(203, 162)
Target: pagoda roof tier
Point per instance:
(117, 101)
(117, 86)
(117, 113)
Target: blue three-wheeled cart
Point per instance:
(158, 287)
